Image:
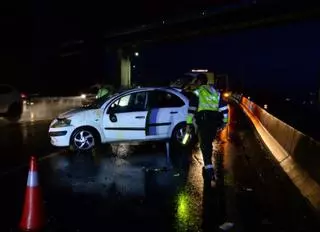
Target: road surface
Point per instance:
(132, 188)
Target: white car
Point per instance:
(141, 114)
(11, 103)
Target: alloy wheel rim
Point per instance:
(84, 140)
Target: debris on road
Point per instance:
(226, 226)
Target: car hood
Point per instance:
(72, 112)
(82, 115)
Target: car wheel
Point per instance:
(83, 139)
(178, 135)
(14, 113)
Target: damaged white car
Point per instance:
(141, 114)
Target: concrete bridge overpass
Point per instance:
(229, 18)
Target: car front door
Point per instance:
(165, 110)
(125, 118)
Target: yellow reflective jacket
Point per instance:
(208, 99)
(102, 92)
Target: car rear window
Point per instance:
(164, 99)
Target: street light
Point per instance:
(136, 53)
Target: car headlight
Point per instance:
(63, 122)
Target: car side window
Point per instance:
(164, 99)
(4, 89)
(129, 103)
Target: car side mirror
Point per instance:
(113, 117)
(112, 113)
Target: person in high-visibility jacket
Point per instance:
(103, 91)
(210, 112)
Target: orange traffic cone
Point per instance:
(33, 211)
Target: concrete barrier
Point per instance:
(47, 108)
(297, 153)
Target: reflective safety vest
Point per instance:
(102, 92)
(208, 100)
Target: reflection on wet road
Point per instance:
(46, 108)
(19, 141)
(130, 187)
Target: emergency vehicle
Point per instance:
(188, 80)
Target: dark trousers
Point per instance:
(207, 122)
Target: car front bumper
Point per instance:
(60, 137)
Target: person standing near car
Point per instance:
(210, 113)
(103, 91)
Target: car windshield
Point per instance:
(96, 104)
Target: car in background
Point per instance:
(139, 114)
(11, 103)
(89, 96)
(182, 82)
(188, 82)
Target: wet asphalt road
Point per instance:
(127, 187)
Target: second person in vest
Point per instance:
(210, 113)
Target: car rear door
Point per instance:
(125, 118)
(165, 111)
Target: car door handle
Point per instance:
(140, 117)
(173, 112)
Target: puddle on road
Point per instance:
(80, 189)
(106, 191)
(84, 174)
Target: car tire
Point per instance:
(178, 135)
(84, 139)
(14, 112)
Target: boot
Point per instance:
(209, 177)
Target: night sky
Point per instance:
(281, 58)
(272, 59)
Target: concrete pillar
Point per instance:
(125, 68)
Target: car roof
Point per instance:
(176, 91)
(150, 89)
(121, 93)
